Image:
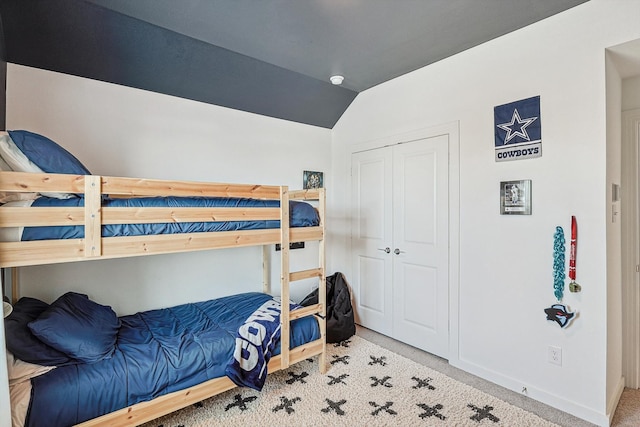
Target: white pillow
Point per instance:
(20, 371)
(20, 374)
(18, 162)
(3, 165)
(12, 155)
(10, 196)
(14, 234)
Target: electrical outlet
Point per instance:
(554, 355)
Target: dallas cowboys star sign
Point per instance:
(518, 130)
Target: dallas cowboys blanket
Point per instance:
(255, 344)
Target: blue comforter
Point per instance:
(301, 215)
(157, 352)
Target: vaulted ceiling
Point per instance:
(269, 57)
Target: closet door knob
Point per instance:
(398, 251)
(386, 250)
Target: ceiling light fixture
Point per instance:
(336, 80)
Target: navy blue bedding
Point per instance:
(301, 215)
(157, 352)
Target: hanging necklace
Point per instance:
(559, 312)
(558, 263)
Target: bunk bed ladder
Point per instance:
(284, 277)
(318, 310)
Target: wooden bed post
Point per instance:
(284, 276)
(266, 269)
(92, 216)
(14, 285)
(322, 284)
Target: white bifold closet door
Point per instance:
(400, 241)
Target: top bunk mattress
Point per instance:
(302, 214)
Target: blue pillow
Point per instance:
(303, 214)
(22, 343)
(78, 327)
(46, 154)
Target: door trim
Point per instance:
(452, 130)
(630, 213)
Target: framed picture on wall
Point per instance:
(312, 179)
(515, 197)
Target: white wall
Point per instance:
(615, 382)
(506, 261)
(630, 102)
(121, 131)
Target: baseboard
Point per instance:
(543, 396)
(615, 399)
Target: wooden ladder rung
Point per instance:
(305, 311)
(305, 274)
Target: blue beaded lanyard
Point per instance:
(558, 312)
(558, 263)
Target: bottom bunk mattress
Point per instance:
(155, 352)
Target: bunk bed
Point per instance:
(96, 210)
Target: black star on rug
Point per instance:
(431, 411)
(240, 402)
(344, 343)
(339, 359)
(379, 408)
(482, 413)
(382, 381)
(378, 360)
(334, 406)
(337, 380)
(423, 383)
(295, 377)
(286, 404)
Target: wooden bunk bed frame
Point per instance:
(93, 246)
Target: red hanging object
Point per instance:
(573, 286)
(572, 251)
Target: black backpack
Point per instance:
(340, 321)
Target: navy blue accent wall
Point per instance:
(83, 39)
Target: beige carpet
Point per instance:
(628, 411)
(366, 385)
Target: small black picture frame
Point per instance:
(312, 180)
(515, 197)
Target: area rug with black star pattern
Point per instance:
(365, 385)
